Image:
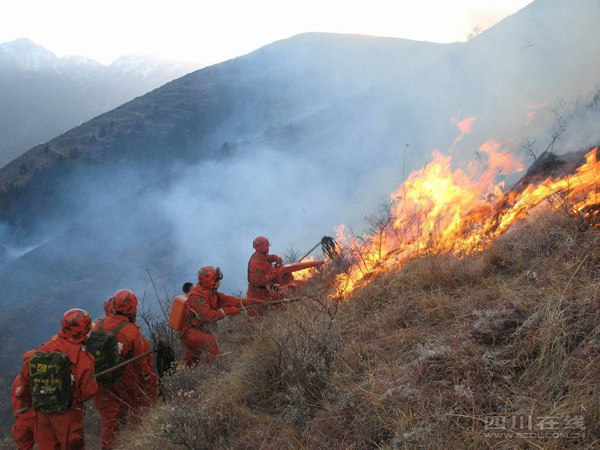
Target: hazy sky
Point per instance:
(212, 31)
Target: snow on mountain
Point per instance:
(43, 95)
(145, 65)
(32, 56)
(29, 55)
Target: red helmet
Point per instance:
(76, 324)
(109, 306)
(208, 276)
(261, 244)
(125, 303)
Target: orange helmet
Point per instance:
(208, 276)
(125, 303)
(261, 244)
(76, 324)
(109, 306)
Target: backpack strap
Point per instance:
(100, 324)
(119, 327)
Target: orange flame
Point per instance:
(465, 125)
(465, 128)
(440, 210)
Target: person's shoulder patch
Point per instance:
(201, 300)
(257, 271)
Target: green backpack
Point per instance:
(51, 382)
(104, 347)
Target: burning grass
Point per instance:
(439, 210)
(416, 358)
(465, 305)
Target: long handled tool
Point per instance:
(328, 245)
(274, 302)
(124, 363)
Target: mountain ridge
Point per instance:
(221, 87)
(43, 95)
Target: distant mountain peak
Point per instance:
(48, 95)
(143, 65)
(30, 55)
(132, 59)
(19, 44)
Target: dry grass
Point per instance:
(415, 359)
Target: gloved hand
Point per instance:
(278, 261)
(231, 310)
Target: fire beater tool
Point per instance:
(274, 302)
(124, 363)
(328, 245)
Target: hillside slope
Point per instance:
(43, 96)
(431, 356)
(106, 228)
(331, 122)
(277, 84)
(512, 78)
(349, 101)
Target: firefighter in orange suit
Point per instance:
(137, 384)
(262, 275)
(22, 430)
(204, 306)
(65, 430)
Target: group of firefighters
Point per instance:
(45, 416)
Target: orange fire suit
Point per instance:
(117, 400)
(22, 430)
(203, 307)
(262, 278)
(64, 430)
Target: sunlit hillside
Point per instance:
(495, 347)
